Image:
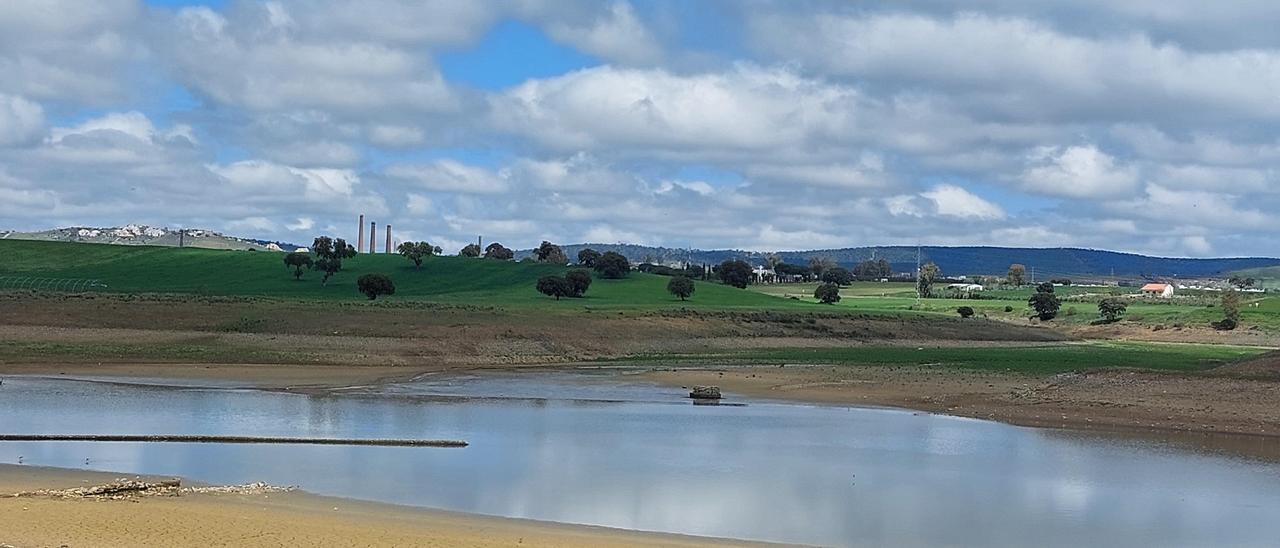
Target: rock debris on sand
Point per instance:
(124, 488)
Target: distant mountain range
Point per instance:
(149, 235)
(957, 261)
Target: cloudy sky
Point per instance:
(1144, 125)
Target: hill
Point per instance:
(148, 235)
(460, 280)
(958, 261)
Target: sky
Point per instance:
(1149, 126)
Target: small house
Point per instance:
(1159, 291)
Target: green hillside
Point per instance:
(145, 269)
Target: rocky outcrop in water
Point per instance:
(705, 393)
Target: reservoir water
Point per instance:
(606, 451)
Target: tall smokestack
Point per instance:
(373, 237)
(360, 238)
(387, 249)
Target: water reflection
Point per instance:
(636, 456)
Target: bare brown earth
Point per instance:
(1110, 399)
(268, 519)
(120, 329)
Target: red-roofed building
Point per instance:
(1160, 291)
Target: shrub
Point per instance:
(1111, 309)
(1008, 308)
(613, 265)
(735, 273)
(1045, 303)
(373, 285)
(554, 286)
(579, 280)
(588, 257)
(965, 311)
(1227, 324)
(827, 293)
(681, 286)
(298, 262)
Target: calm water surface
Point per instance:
(575, 449)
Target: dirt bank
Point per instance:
(1104, 399)
(267, 519)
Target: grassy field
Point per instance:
(463, 281)
(455, 280)
(1079, 304)
(1039, 360)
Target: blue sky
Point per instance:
(1144, 126)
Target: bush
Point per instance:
(373, 285)
(735, 273)
(1111, 309)
(827, 293)
(1227, 324)
(965, 311)
(681, 286)
(838, 276)
(579, 281)
(554, 286)
(1008, 308)
(588, 257)
(613, 265)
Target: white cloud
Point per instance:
(1077, 172)
(396, 136)
(450, 176)
(21, 121)
(745, 111)
(953, 201)
(418, 204)
(1022, 64)
(617, 34)
(277, 67)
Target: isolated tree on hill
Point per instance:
(554, 286)
(1111, 309)
(1017, 275)
(837, 275)
(924, 281)
(373, 285)
(1045, 302)
(579, 281)
(496, 250)
(298, 262)
(550, 253)
(416, 251)
(470, 250)
(613, 265)
(965, 311)
(827, 293)
(818, 265)
(681, 286)
(735, 272)
(329, 255)
(588, 257)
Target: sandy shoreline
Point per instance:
(270, 519)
